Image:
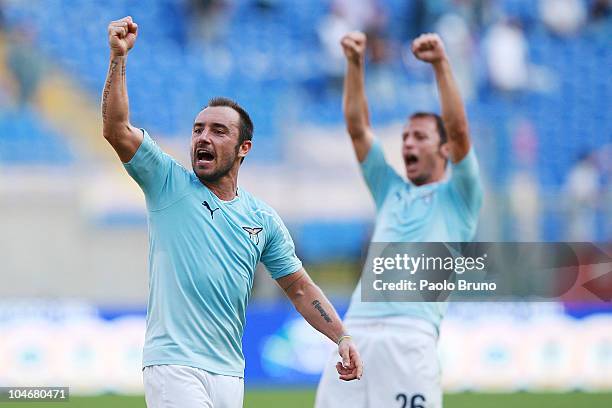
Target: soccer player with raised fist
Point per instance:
(206, 236)
(439, 202)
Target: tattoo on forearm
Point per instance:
(324, 315)
(107, 86)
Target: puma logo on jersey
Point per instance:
(253, 233)
(212, 212)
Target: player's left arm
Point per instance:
(430, 48)
(311, 303)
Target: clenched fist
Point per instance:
(354, 45)
(429, 48)
(122, 36)
(351, 366)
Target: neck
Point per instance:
(224, 187)
(437, 175)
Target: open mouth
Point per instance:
(204, 155)
(411, 160)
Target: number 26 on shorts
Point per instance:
(415, 401)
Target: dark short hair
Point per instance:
(246, 124)
(439, 123)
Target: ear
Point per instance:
(244, 149)
(445, 151)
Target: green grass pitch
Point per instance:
(305, 399)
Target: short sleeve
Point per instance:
(157, 174)
(378, 174)
(279, 253)
(465, 183)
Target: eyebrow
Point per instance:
(214, 124)
(415, 132)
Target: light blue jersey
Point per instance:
(445, 211)
(203, 252)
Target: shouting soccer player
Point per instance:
(206, 237)
(438, 203)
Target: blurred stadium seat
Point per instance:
(26, 139)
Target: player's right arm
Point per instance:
(354, 101)
(161, 179)
(122, 136)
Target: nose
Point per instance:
(409, 142)
(202, 138)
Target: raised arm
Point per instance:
(310, 301)
(117, 129)
(354, 101)
(429, 48)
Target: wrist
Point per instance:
(343, 338)
(114, 55)
(440, 64)
(356, 62)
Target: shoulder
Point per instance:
(463, 189)
(257, 206)
(262, 212)
(467, 166)
(149, 150)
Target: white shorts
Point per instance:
(175, 386)
(400, 367)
